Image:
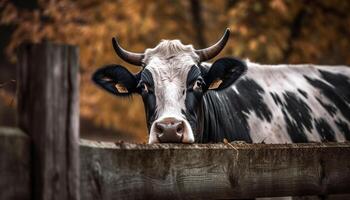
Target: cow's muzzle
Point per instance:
(170, 130)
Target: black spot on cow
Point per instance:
(302, 92)
(252, 94)
(297, 115)
(324, 130)
(298, 110)
(149, 99)
(340, 82)
(276, 99)
(336, 90)
(344, 128)
(295, 132)
(329, 108)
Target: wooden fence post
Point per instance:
(48, 111)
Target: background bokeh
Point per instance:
(271, 31)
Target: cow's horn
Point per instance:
(127, 56)
(214, 50)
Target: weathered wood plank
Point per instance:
(14, 164)
(213, 171)
(48, 111)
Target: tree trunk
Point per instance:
(198, 23)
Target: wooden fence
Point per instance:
(44, 160)
(213, 171)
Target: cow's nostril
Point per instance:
(180, 128)
(159, 128)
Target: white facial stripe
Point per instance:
(171, 99)
(169, 86)
(169, 64)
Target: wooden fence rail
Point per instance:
(213, 171)
(15, 164)
(201, 171)
(47, 164)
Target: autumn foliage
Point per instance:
(275, 31)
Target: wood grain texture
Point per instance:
(48, 111)
(14, 164)
(213, 171)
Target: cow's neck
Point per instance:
(222, 118)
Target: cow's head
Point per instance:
(172, 82)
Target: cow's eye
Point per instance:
(143, 88)
(198, 85)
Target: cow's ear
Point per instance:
(116, 79)
(223, 73)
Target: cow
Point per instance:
(188, 100)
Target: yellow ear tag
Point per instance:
(215, 84)
(121, 88)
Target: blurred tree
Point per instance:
(198, 23)
(271, 31)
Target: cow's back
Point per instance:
(281, 104)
